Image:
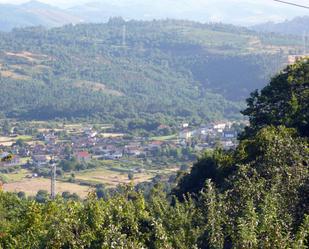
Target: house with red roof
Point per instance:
(83, 156)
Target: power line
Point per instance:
(293, 4)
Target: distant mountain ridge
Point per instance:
(34, 13)
(296, 26)
(240, 12)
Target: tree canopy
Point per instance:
(285, 101)
(165, 70)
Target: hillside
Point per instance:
(126, 70)
(296, 26)
(33, 13)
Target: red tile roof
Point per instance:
(83, 154)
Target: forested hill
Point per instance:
(297, 26)
(127, 70)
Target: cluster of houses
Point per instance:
(208, 135)
(89, 144)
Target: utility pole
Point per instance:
(53, 179)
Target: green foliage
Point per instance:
(213, 210)
(215, 166)
(131, 176)
(42, 196)
(168, 71)
(253, 197)
(283, 102)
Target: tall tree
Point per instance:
(285, 101)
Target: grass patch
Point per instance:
(24, 138)
(16, 176)
(111, 177)
(164, 138)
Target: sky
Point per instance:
(69, 3)
(242, 11)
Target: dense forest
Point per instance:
(123, 71)
(255, 196)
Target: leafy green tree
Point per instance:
(213, 211)
(42, 196)
(247, 228)
(20, 143)
(215, 166)
(283, 102)
(131, 176)
(21, 195)
(6, 128)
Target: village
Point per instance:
(105, 157)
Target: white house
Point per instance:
(114, 156)
(185, 125)
(229, 134)
(185, 134)
(219, 127)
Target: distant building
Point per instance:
(133, 152)
(185, 125)
(39, 160)
(114, 156)
(185, 134)
(162, 127)
(205, 131)
(90, 132)
(219, 127)
(155, 145)
(229, 134)
(228, 144)
(83, 156)
(49, 138)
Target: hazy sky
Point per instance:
(247, 11)
(200, 2)
(53, 2)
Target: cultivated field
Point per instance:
(8, 141)
(111, 178)
(32, 186)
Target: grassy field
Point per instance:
(72, 128)
(111, 135)
(18, 181)
(111, 178)
(110, 173)
(32, 186)
(25, 138)
(16, 176)
(164, 138)
(8, 141)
